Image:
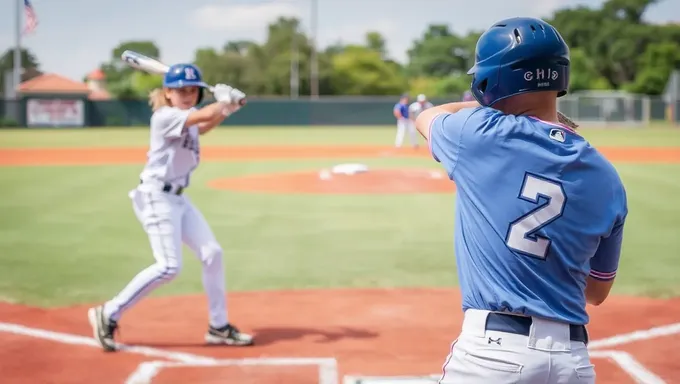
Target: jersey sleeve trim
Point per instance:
(604, 276)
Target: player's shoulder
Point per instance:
(611, 174)
(472, 119)
(168, 115)
(164, 111)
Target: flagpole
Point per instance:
(17, 48)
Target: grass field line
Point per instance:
(328, 367)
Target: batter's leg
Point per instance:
(401, 131)
(160, 215)
(198, 236)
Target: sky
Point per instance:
(74, 37)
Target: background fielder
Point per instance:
(539, 214)
(166, 214)
(416, 108)
(404, 123)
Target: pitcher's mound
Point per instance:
(381, 181)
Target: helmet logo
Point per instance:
(542, 75)
(189, 73)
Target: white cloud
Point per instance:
(241, 19)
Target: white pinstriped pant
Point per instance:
(169, 220)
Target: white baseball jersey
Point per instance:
(174, 152)
(416, 107)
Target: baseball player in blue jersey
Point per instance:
(404, 123)
(539, 214)
(166, 213)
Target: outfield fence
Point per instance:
(52, 110)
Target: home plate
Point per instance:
(436, 175)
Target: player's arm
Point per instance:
(228, 99)
(443, 127)
(603, 266)
(207, 126)
(426, 118)
(397, 112)
(209, 116)
(173, 122)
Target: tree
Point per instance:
(224, 67)
(656, 63)
(119, 77)
(628, 10)
(361, 71)
(426, 85)
(584, 75)
(143, 83)
(29, 64)
(376, 42)
(453, 85)
(613, 38)
(439, 53)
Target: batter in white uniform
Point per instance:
(166, 214)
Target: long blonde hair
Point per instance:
(157, 99)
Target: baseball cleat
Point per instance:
(229, 335)
(102, 328)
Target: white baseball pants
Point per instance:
(547, 356)
(404, 125)
(169, 220)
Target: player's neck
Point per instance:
(538, 105)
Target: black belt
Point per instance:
(521, 325)
(167, 188)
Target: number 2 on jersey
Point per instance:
(522, 235)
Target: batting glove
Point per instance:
(228, 94)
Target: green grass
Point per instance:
(665, 136)
(68, 234)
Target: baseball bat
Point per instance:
(150, 65)
(566, 120)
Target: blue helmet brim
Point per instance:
(182, 84)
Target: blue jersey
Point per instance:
(537, 210)
(403, 109)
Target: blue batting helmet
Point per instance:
(185, 75)
(519, 55)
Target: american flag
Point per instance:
(31, 18)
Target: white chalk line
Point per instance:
(640, 335)
(328, 373)
(630, 365)
(328, 370)
(66, 338)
